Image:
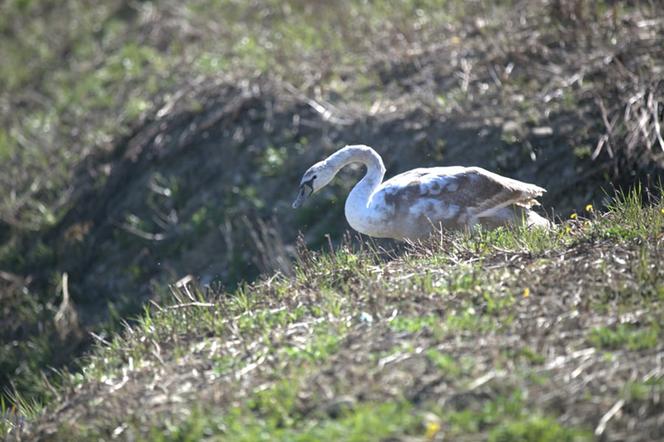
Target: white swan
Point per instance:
(415, 203)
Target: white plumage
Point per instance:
(413, 204)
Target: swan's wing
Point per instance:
(473, 190)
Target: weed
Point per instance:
(625, 336)
(536, 429)
(445, 363)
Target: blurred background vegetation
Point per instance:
(145, 141)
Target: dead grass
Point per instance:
(490, 335)
(134, 153)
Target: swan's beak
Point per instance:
(303, 194)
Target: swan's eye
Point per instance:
(309, 183)
(314, 177)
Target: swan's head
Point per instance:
(314, 179)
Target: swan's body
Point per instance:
(413, 204)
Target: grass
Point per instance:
(85, 85)
(435, 339)
(367, 422)
(445, 363)
(536, 429)
(96, 76)
(89, 187)
(511, 421)
(626, 336)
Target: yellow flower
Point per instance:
(526, 292)
(568, 229)
(432, 428)
(589, 208)
(662, 210)
(573, 216)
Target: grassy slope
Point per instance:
(426, 81)
(505, 335)
(79, 76)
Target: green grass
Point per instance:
(510, 420)
(359, 346)
(322, 344)
(269, 416)
(366, 422)
(629, 337)
(537, 429)
(445, 363)
(414, 325)
(15, 411)
(79, 78)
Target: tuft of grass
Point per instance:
(626, 336)
(368, 421)
(445, 363)
(415, 324)
(537, 429)
(509, 419)
(641, 391)
(16, 411)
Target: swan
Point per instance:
(415, 203)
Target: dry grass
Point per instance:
(543, 336)
(133, 153)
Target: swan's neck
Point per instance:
(369, 158)
(359, 200)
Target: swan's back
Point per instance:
(409, 205)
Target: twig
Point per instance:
(607, 417)
(64, 305)
(325, 112)
(484, 379)
(250, 367)
(183, 285)
(99, 339)
(157, 306)
(658, 131)
(11, 277)
(66, 318)
(142, 234)
(190, 304)
(606, 138)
